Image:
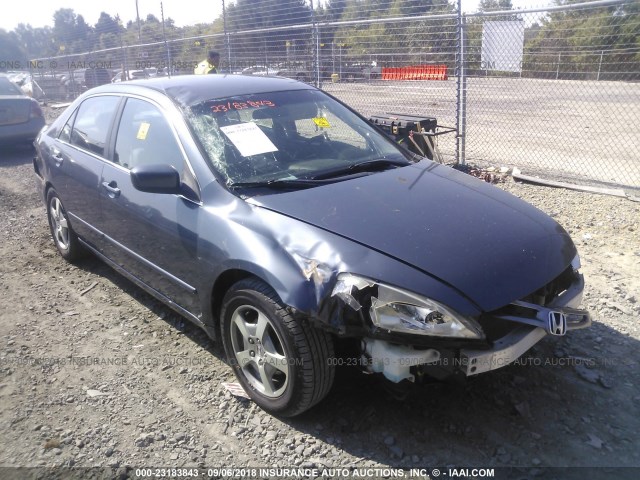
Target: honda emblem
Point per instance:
(557, 323)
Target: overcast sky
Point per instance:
(39, 13)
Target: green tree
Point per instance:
(398, 43)
(107, 24)
(198, 40)
(268, 47)
(333, 10)
(13, 55)
(152, 52)
(582, 42)
(37, 42)
(71, 33)
(494, 5)
(107, 31)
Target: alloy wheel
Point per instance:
(59, 223)
(259, 351)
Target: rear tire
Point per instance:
(283, 365)
(64, 237)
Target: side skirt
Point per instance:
(151, 291)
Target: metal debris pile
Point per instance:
(489, 174)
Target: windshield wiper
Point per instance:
(366, 166)
(277, 183)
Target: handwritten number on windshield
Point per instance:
(230, 106)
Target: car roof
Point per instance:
(195, 89)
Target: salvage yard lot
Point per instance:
(95, 372)
(583, 128)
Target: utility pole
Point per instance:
(166, 45)
(138, 17)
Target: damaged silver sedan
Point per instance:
(283, 223)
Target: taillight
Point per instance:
(36, 111)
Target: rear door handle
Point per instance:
(112, 188)
(57, 157)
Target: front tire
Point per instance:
(283, 365)
(63, 235)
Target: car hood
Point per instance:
(491, 246)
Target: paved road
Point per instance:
(582, 128)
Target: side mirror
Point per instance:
(158, 178)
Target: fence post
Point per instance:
(600, 64)
(227, 43)
(315, 39)
(457, 62)
(461, 93)
(558, 68)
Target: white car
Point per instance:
(259, 70)
(133, 75)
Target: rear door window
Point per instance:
(92, 123)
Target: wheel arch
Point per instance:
(48, 186)
(302, 298)
(67, 244)
(222, 285)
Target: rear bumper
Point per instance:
(20, 132)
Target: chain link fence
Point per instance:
(565, 102)
(553, 90)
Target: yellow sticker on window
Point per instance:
(321, 122)
(143, 131)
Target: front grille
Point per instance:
(498, 323)
(545, 295)
(494, 327)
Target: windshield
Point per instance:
(288, 136)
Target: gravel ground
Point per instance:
(95, 372)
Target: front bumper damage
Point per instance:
(556, 319)
(505, 351)
(529, 323)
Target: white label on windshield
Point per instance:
(249, 139)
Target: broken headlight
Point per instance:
(402, 311)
